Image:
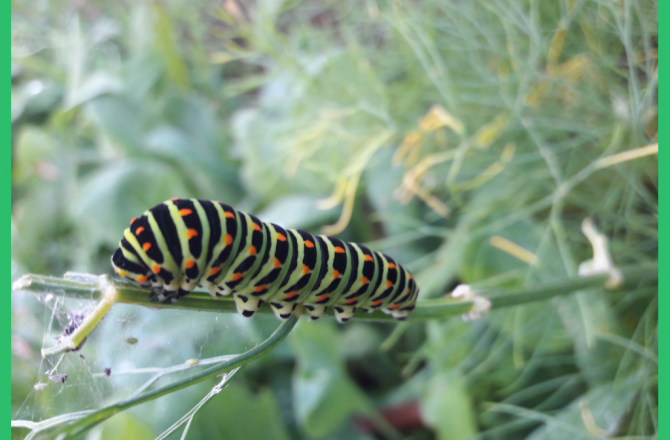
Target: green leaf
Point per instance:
(34, 146)
(118, 119)
(237, 414)
(109, 198)
(299, 211)
(141, 75)
(483, 260)
(382, 180)
(440, 273)
(258, 139)
(359, 340)
(176, 68)
(208, 176)
(447, 407)
(596, 414)
(36, 97)
(97, 84)
(324, 396)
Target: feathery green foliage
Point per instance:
(468, 140)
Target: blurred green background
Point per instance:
(429, 130)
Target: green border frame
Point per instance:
(663, 164)
(6, 253)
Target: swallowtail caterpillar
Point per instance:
(183, 243)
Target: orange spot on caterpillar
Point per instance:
(229, 214)
(322, 297)
(364, 280)
(339, 250)
(174, 198)
(368, 258)
(309, 244)
(139, 230)
(410, 276)
(336, 274)
(376, 303)
(290, 295)
(146, 246)
(237, 276)
(391, 266)
(189, 264)
(305, 269)
(256, 227)
(389, 284)
(214, 271)
(156, 268)
(190, 233)
(184, 212)
(132, 220)
(142, 279)
(281, 237)
(407, 292)
(260, 288)
(228, 239)
(351, 300)
(252, 250)
(277, 263)
(394, 306)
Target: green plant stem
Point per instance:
(103, 414)
(120, 291)
(433, 309)
(633, 275)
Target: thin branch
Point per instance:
(190, 415)
(433, 309)
(119, 290)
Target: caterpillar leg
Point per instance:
(401, 314)
(161, 295)
(155, 291)
(314, 311)
(247, 306)
(344, 313)
(167, 296)
(220, 290)
(283, 310)
(374, 308)
(156, 283)
(211, 287)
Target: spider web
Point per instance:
(131, 350)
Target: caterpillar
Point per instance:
(183, 243)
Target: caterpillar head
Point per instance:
(133, 270)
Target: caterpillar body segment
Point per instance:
(183, 243)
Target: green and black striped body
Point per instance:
(183, 243)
